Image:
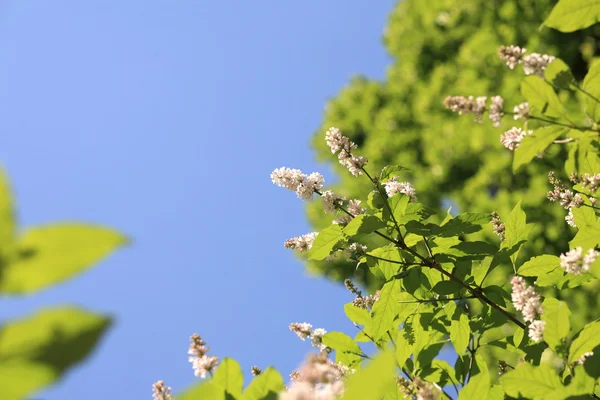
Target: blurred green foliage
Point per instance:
(38, 349)
(441, 48)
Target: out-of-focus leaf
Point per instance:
(53, 253)
(37, 350)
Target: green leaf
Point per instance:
(357, 314)
(556, 315)
(533, 144)
(397, 205)
(460, 332)
(588, 236)
(477, 388)
(7, 218)
(373, 381)
(591, 84)
(229, 376)
(204, 390)
(464, 224)
(559, 74)
(415, 212)
(517, 230)
(385, 310)
(581, 386)
(404, 346)
(375, 201)
(341, 342)
(541, 96)
(518, 336)
(37, 350)
(389, 252)
(529, 381)
(265, 386)
(51, 254)
(587, 340)
(573, 15)
(391, 170)
(540, 265)
(362, 224)
(325, 242)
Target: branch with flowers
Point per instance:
(435, 292)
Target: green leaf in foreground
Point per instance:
(266, 386)
(556, 315)
(541, 96)
(203, 390)
(229, 376)
(477, 387)
(572, 15)
(54, 253)
(373, 381)
(341, 342)
(517, 230)
(363, 224)
(591, 84)
(533, 144)
(386, 309)
(559, 74)
(325, 242)
(529, 381)
(587, 340)
(37, 350)
(540, 265)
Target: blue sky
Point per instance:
(164, 119)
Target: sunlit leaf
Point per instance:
(53, 253)
(572, 15)
(229, 376)
(529, 381)
(39, 349)
(265, 386)
(325, 242)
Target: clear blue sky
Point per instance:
(164, 119)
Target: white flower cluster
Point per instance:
(301, 243)
(356, 251)
(355, 208)
(301, 329)
(201, 363)
(467, 105)
(498, 226)
(526, 300)
(426, 390)
(331, 201)
(533, 63)
(512, 55)
(583, 357)
(574, 262)
(513, 137)
(294, 180)
(592, 182)
(316, 338)
(536, 64)
(570, 218)
(521, 111)
(161, 392)
(304, 330)
(342, 145)
(495, 112)
(393, 187)
(564, 196)
(476, 106)
(318, 379)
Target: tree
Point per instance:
(440, 48)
